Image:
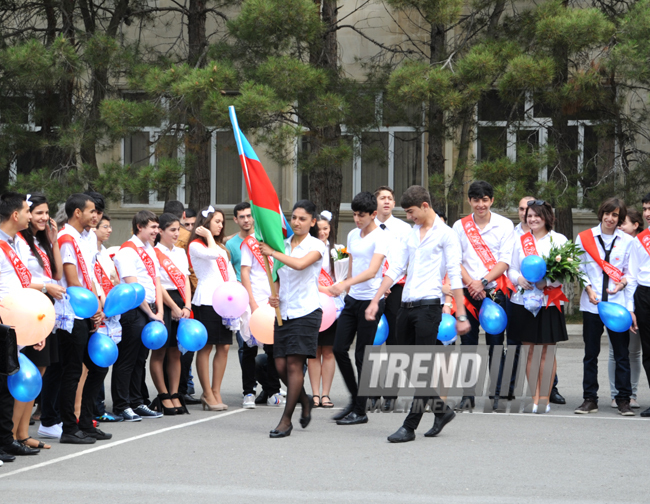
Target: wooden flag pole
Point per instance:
(272, 285)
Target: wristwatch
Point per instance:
(484, 282)
(462, 318)
(450, 305)
(44, 289)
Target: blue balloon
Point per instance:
(447, 329)
(83, 302)
(25, 385)
(102, 350)
(492, 317)
(615, 317)
(154, 335)
(533, 268)
(192, 334)
(139, 294)
(382, 331)
(120, 300)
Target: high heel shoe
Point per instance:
(157, 404)
(183, 408)
(304, 421)
(275, 433)
(211, 407)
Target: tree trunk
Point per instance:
(435, 115)
(456, 194)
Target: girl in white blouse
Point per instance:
(211, 263)
(549, 326)
(297, 339)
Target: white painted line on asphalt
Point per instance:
(113, 444)
(547, 415)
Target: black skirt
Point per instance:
(49, 355)
(298, 336)
(326, 337)
(547, 327)
(172, 325)
(218, 334)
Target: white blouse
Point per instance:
(326, 260)
(179, 258)
(204, 263)
(37, 271)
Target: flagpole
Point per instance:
(272, 285)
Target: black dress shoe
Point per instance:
(190, 399)
(304, 421)
(556, 397)
(645, 413)
(5, 457)
(344, 412)
(79, 437)
(402, 435)
(352, 419)
(261, 399)
(465, 403)
(275, 433)
(98, 434)
(17, 449)
(440, 422)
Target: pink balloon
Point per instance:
(230, 299)
(329, 311)
(261, 324)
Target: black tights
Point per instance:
(290, 369)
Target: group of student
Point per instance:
(411, 274)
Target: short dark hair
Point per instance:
(189, 213)
(364, 202)
(480, 189)
(415, 196)
(611, 204)
(440, 212)
(646, 199)
(244, 205)
(10, 202)
(105, 217)
(141, 219)
(636, 218)
(544, 211)
(384, 188)
(174, 207)
(307, 206)
(77, 201)
(100, 202)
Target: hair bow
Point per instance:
(327, 215)
(29, 203)
(207, 212)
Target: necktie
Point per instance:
(604, 295)
(383, 226)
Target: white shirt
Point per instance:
(428, 261)
(519, 231)
(498, 235)
(593, 274)
(68, 255)
(543, 247)
(105, 260)
(179, 258)
(128, 264)
(397, 230)
(9, 281)
(362, 249)
(206, 269)
(638, 268)
(299, 288)
(259, 280)
(37, 271)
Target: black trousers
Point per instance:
(353, 321)
(592, 330)
(73, 355)
(393, 302)
(642, 312)
(50, 410)
(266, 373)
(6, 413)
(129, 369)
(419, 326)
(248, 368)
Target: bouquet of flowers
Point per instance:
(341, 262)
(339, 252)
(562, 263)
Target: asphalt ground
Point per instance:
(228, 457)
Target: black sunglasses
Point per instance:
(537, 202)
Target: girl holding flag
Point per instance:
(210, 261)
(175, 282)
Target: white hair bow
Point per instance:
(29, 203)
(207, 212)
(327, 215)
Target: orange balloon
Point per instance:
(30, 313)
(261, 324)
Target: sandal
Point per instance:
(315, 404)
(39, 445)
(328, 404)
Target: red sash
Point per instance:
(384, 269)
(325, 279)
(589, 244)
(23, 273)
(254, 245)
(47, 267)
(221, 262)
(146, 259)
(644, 238)
(485, 254)
(103, 278)
(175, 275)
(66, 238)
(555, 294)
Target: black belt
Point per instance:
(421, 302)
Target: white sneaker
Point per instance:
(614, 405)
(53, 432)
(249, 401)
(275, 400)
(283, 393)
